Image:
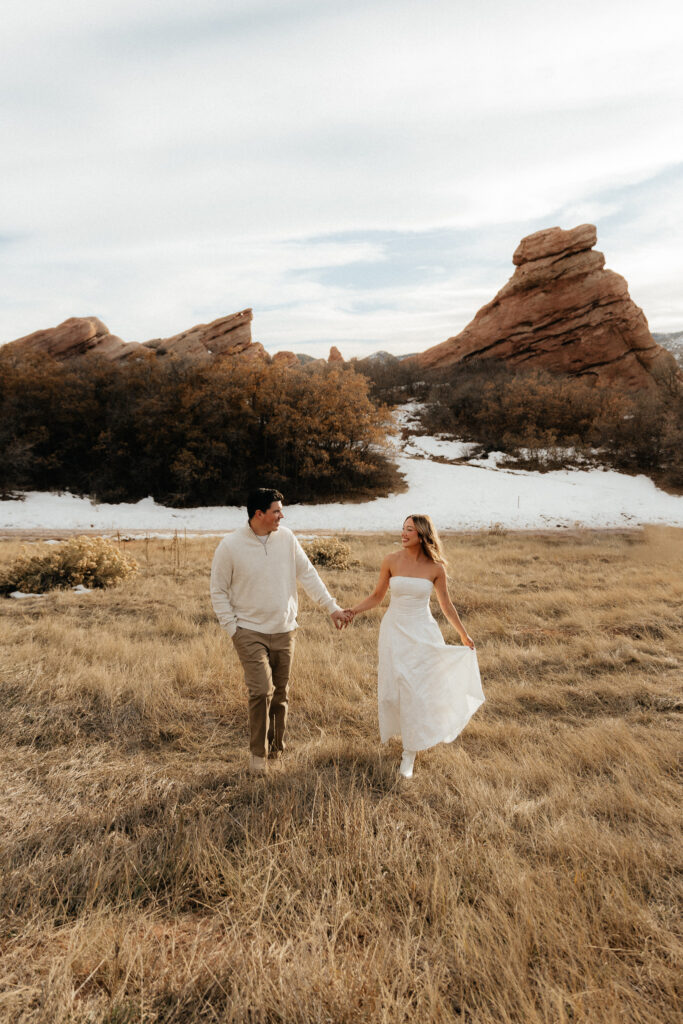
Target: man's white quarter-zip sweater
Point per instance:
(253, 583)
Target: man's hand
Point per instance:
(341, 619)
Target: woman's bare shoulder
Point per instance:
(390, 561)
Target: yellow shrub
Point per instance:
(90, 561)
(328, 551)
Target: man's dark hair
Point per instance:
(261, 499)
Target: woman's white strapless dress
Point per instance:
(427, 691)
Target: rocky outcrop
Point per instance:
(553, 242)
(286, 358)
(563, 312)
(335, 358)
(229, 335)
(79, 336)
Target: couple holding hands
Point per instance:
(427, 691)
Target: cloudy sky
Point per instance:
(359, 172)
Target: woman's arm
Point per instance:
(378, 593)
(441, 587)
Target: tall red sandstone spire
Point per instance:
(562, 311)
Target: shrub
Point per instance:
(93, 562)
(497, 530)
(392, 380)
(545, 421)
(328, 551)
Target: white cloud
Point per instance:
(163, 159)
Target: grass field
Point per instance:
(530, 872)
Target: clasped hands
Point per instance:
(342, 619)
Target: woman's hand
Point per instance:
(467, 641)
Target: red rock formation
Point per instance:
(229, 335)
(562, 311)
(75, 337)
(285, 358)
(254, 350)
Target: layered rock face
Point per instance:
(562, 311)
(75, 337)
(78, 336)
(229, 335)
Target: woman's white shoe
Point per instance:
(407, 762)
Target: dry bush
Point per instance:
(90, 561)
(530, 874)
(545, 421)
(329, 552)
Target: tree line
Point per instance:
(188, 433)
(545, 420)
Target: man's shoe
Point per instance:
(257, 764)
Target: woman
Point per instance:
(427, 691)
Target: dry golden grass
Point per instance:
(529, 873)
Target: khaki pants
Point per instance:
(266, 659)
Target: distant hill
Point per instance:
(672, 342)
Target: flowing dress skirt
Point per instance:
(427, 691)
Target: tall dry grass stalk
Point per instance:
(528, 873)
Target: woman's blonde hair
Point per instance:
(429, 538)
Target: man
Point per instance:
(253, 592)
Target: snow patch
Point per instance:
(439, 447)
